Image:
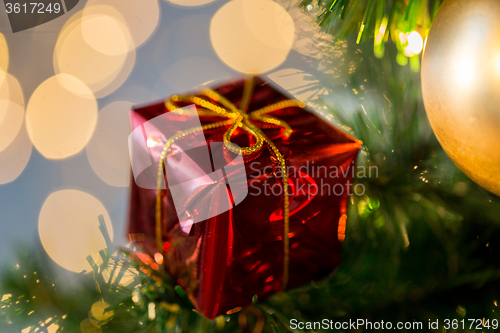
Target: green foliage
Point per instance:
(379, 19)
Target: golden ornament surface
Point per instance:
(461, 86)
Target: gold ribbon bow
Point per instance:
(233, 117)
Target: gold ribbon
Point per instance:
(233, 117)
(243, 319)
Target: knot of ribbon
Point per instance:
(233, 118)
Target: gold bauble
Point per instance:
(461, 86)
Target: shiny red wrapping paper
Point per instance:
(224, 261)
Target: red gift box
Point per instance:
(221, 226)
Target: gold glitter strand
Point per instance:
(247, 94)
(278, 106)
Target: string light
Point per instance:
(415, 43)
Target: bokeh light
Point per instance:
(11, 119)
(101, 72)
(15, 157)
(10, 90)
(120, 77)
(4, 57)
(415, 44)
(104, 29)
(87, 327)
(107, 151)
(42, 327)
(139, 17)
(53, 328)
(100, 313)
(190, 3)
(61, 116)
(252, 36)
(68, 227)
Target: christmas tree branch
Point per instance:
(381, 20)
